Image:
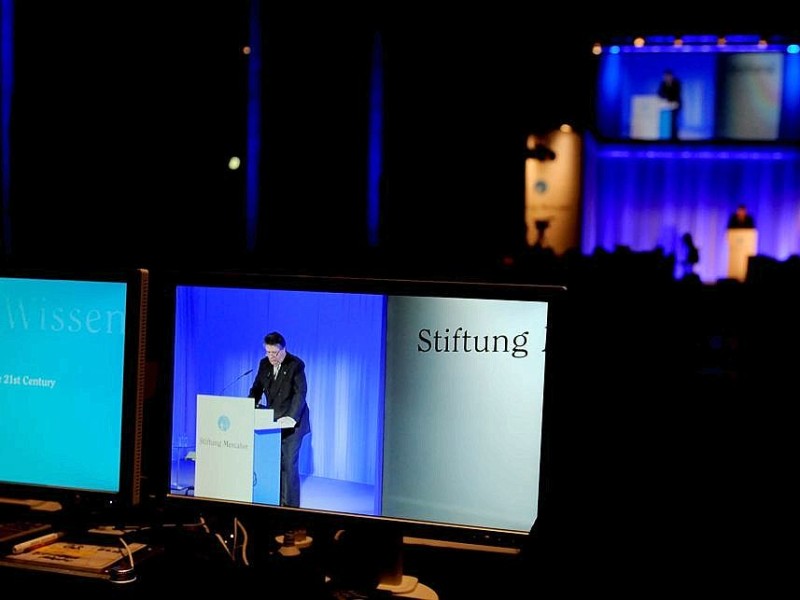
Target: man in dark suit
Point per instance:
(670, 90)
(741, 218)
(281, 378)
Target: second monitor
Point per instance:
(425, 401)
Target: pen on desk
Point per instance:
(36, 542)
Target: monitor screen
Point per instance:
(71, 385)
(712, 89)
(417, 402)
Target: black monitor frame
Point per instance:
(412, 530)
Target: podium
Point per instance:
(238, 451)
(650, 117)
(742, 244)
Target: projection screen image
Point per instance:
(425, 408)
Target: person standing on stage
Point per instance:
(281, 378)
(670, 90)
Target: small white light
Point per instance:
(234, 163)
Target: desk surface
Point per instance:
(194, 563)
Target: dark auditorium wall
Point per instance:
(124, 116)
(314, 136)
(122, 119)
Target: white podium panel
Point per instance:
(224, 463)
(238, 451)
(647, 114)
(742, 244)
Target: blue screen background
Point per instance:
(61, 382)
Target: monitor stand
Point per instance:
(373, 559)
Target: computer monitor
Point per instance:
(72, 356)
(427, 400)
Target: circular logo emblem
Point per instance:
(224, 423)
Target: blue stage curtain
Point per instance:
(6, 85)
(219, 336)
(644, 196)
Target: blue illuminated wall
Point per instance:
(644, 196)
(739, 127)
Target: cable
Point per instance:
(120, 574)
(235, 534)
(237, 524)
(128, 550)
(203, 525)
(225, 546)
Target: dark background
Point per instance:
(674, 443)
(124, 116)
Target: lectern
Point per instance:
(742, 244)
(238, 451)
(650, 117)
